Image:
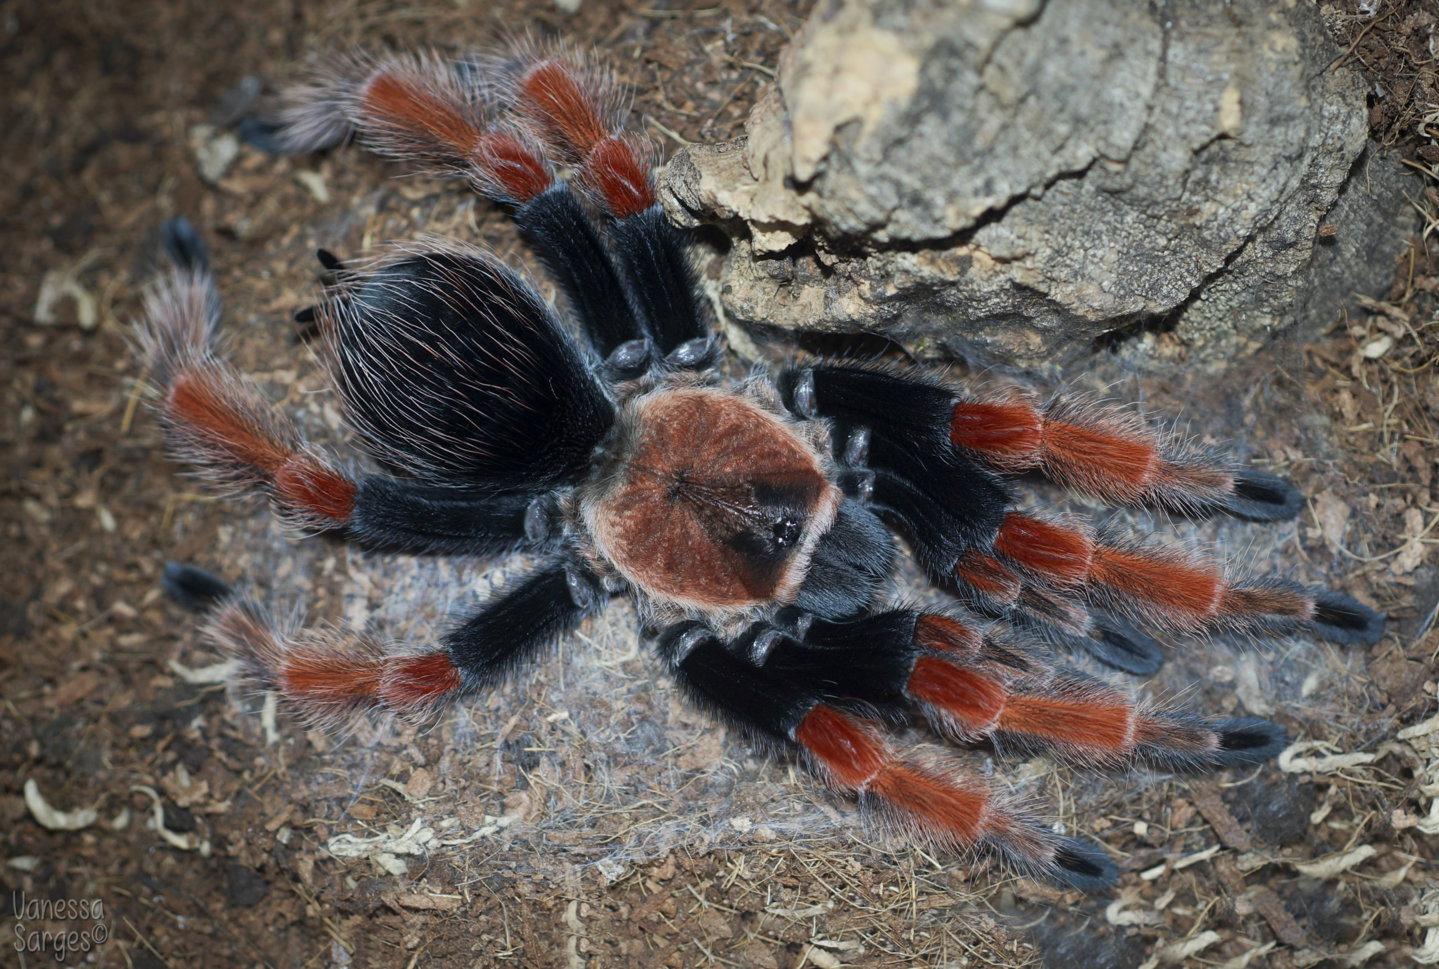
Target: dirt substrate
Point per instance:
(583, 814)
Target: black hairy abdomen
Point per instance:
(455, 371)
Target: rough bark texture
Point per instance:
(1015, 180)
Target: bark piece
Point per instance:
(1016, 180)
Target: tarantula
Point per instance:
(749, 520)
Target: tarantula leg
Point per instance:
(576, 257)
(973, 688)
(957, 519)
(1117, 457)
(947, 502)
(655, 256)
(849, 753)
(327, 673)
(221, 422)
(1174, 589)
(1097, 450)
(578, 112)
(216, 419)
(420, 110)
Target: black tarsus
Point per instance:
(262, 134)
(1247, 740)
(1118, 644)
(1344, 619)
(308, 316)
(1082, 865)
(1261, 497)
(184, 246)
(193, 588)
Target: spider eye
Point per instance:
(786, 531)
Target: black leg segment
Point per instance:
(576, 257)
(406, 516)
(527, 617)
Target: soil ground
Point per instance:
(583, 814)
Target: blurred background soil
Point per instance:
(583, 814)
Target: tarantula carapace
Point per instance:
(749, 520)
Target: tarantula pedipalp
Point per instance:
(749, 521)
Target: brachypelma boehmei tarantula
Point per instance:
(747, 519)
